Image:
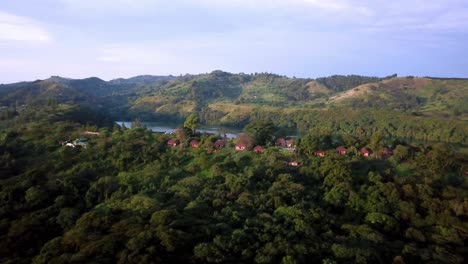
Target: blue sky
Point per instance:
(303, 38)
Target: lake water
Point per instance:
(171, 127)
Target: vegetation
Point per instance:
(130, 198)
(127, 196)
(429, 109)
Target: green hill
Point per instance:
(41, 91)
(222, 98)
(426, 95)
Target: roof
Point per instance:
(387, 151)
(364, 150)
(281, 141)
(240, 147)
(294, 163)
(258, 148)
(220, 143)
(340, 148)
(91, 133)
(173, 141)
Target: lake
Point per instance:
(171, 127)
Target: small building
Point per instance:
(341, 150)
(320, 153)
(220, 144)
(194, 143)
(294, 163)
(91, 133)
(68, 144)
(240, 147)
(386, 152)
(364, 152)
(258, 149)
(173, 142)
(281, 142)
(290, 143)
(81, 142)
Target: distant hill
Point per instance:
(430, 96)
(231, 99)
(142, 79)
(41, 91)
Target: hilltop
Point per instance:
(155, 96)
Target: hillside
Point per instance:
(373, 176)
(429, 96)
(221, 98)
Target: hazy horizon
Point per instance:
(301, 38)
(248, 73)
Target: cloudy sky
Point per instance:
(303, 38)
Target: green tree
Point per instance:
(261, 130)
(192, 122)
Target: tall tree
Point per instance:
(191, 123)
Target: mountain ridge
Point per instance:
(152, 97)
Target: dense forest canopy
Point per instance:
(363, 184)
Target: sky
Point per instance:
(303, 38)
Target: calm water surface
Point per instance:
(171, 127)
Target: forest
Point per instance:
(129, 197)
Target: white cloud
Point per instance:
(18, 28)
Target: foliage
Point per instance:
(130, 198)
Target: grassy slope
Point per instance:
(230, 98)
(235, 97)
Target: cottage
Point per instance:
(173, 142)
(194, 143)
(258, 149)
(240, 147)
(293, 163)
(281, 142)
(364, 152)
(341, 150)
(220, 144)
(320, 153)
(386, 152)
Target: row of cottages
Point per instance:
(218, 144)
(365, 152)
(174, 142)
(222, 143)
(256, 149)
